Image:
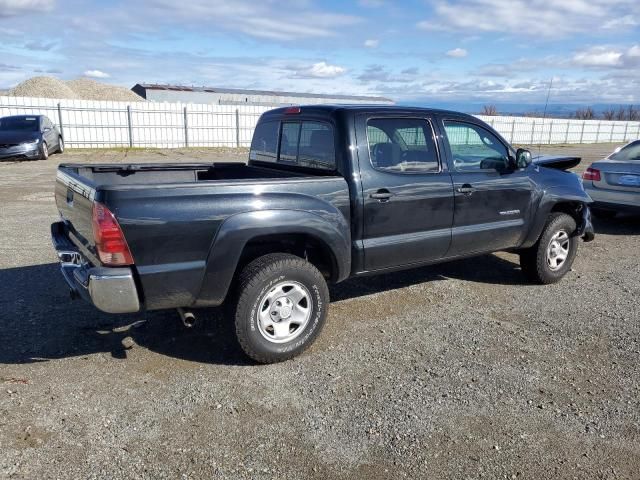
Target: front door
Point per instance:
(492, 200)
(407, 191)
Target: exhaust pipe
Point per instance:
(188, 317)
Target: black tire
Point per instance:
(603, 214)
(44, 151)
(60, 145)
(534, 260)
(262, 284)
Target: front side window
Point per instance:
(475, 148)
(402, 145)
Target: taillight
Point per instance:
(110, 242)
(592, 174)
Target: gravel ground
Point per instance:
(461, 370)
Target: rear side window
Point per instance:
(402, 145)
(627, 153)
(264, 146)
(302, 143)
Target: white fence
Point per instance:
(95, 124)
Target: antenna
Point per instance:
(544, 114)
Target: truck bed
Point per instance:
(171, 215)
(171, 173)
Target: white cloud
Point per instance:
(271, 20)
(96, 74)
(608, 57)
(371, 43)
(627, 21)
(321, 70)
(10, 8)
(543, 18)
(457, 53)
(598, 57)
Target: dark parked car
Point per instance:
(614, 182)
(32, 137)
(330, 192)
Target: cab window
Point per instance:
(474, 147)
(402, 145)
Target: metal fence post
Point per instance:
(130, 125)
(566, 134)
(60, 121)
(533, 132)
(638, 134)
(613, 126)
(237, 128)
(626, 127)
(186, 128)
(550, 131)
(598, 132)
(584, 122)
(513, 129)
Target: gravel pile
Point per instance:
(81, 88)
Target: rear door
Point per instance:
(407, 191)
(492, 200)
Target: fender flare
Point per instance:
(551, 197)
(236, 231)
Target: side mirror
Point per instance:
(523, 158)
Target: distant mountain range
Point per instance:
(556, 110)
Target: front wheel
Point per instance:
(281, 307)
(551, 257)
(60, 145)
(44, 151)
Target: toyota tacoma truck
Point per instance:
(328, 193)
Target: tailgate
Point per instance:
(74, 199)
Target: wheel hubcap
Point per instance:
(558, 250)
(284, 312)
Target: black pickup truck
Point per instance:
(329, 192)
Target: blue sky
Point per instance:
(411, 51)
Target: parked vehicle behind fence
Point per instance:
(614, 182)
(329, 192)
(31, 137)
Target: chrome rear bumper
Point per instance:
(112, 290)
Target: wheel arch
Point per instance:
(247, 236)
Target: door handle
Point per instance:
(382, 195)
(466, 189)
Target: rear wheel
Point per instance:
(281, 307)
(552, 256)
(60, 145)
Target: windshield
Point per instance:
(27, 124)
(630, 152)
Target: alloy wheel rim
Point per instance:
(284, 312)
(558, 250)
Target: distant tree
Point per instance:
(584, 114)
(633, 113)
(489, 110)
(609, 114)
(621, 113)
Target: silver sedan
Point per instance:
(614, 183)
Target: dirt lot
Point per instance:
(454, 371)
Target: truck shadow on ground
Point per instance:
(38, 321)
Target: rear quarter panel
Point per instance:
(172, 230)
